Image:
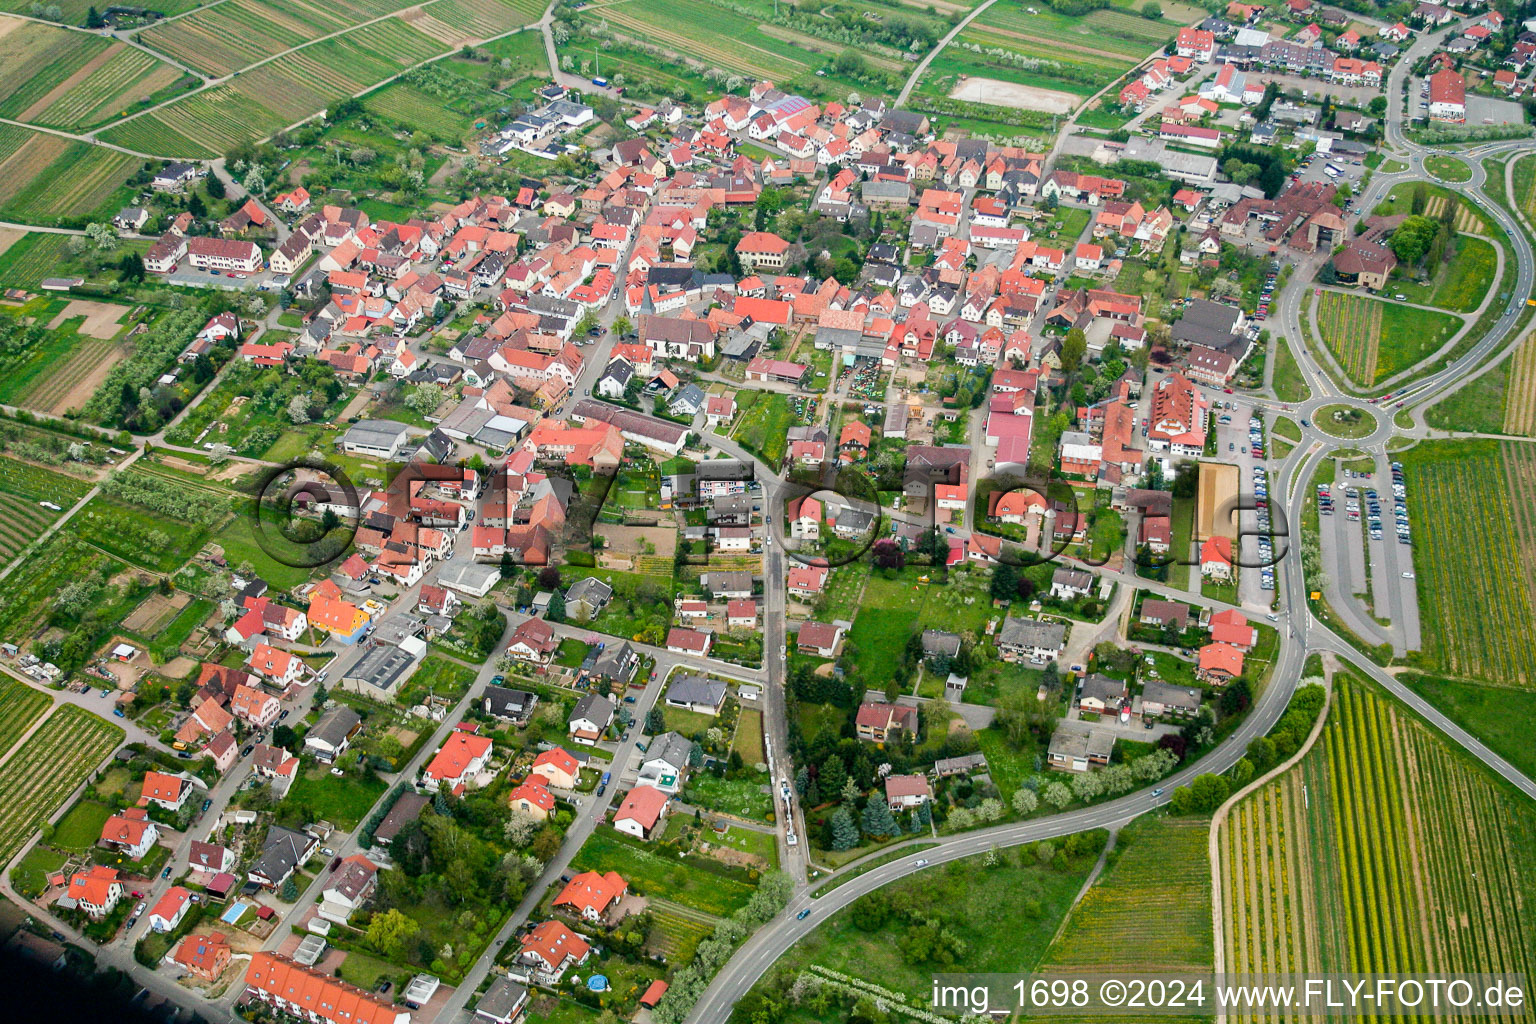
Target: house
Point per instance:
(314, 996)
(1219, 663)
(807, 582)
(696, 693)
(903, 792)
(1447, 97)
(169, 909)
(1103, 695)
(549, 950)
(503, 1002)
(557, 767)
(642, 809)
(278, 668)
(462, 757)
(204, 956)
(818, 638)
(276, 765)
(761, 250)
(741, 613)
(1067, 584)
(169, 791)
(965, 764)
(533, 641)
(1032, 639)
(96, 891)
(130, 832)
(533, 798)
(281, 856)
(1078, 746)
(940, 644)
(1365, 263)
(209, 859)
(665, 763)
(1157, 612)
(255, 706)
(590, 718)
(348, 888)
(585, 598)
(877, 721)
(1231, 627)
(591, 895)
(1216, 558)
(681, 640)
(509, 705)
(1159, 698)
(406, 810)
(329, 737)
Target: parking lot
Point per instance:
(1367, 539)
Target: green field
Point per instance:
(38, 776)
(1374, 339)
(1475, 571)
(341, 801)
(1003, 916)
(692, 881)
(763, 426)
(36, 256)
(20, 706)
(1356, 859)
(137, 535)
(43, 373)
(1447, 168)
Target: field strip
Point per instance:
(58, 91)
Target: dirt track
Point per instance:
(1011, 94)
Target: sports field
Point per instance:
(1384, 852)
(1474, 554)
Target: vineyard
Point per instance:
(1466, 221)
(31, 258)
(455, 21)
(1151, 909)
(22, 486)
(714, 35)
(45, 177)
(407, 105)
(1520, 393)
(1474, 557)
(75, 79)
(204, 124)
(1384, 853)
(37, 779)
(20, 706)
(1078, 54)
(1351, 326)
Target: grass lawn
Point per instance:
(689, 723)
(366, 972)
(1289, 385)
(79, 830)
(894, 609)
(1346, 421)
(1447, 168)
(440, 676)
(743, 797)
(571, 654)
(763, 428)
(30, 875)
(691, 881)
(749, 737)
(238, 539)
(341, 800)
(749, 840)
(1183, 529)
(1498, 716)
(817, 719)
(1008, 765)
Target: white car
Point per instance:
(791, 839)
(1407, 575)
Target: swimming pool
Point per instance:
(236, 909)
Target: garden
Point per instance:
(656, 870)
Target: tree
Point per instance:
(215, 186)
(290, 891)
(1152, 11)
(878, 821)
(424, 399)
(656, 723)
(130, 268)
(556, 612)
(845, 834)
(1412, 238)
(93, 19)
(520, 829)
(1073, 347)
(832, 775)
(1057, 795)
(549, 577)
(298, 409)
(196, 207)
(1025, 801)
(622, 326)
(389, 931)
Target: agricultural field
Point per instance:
(80, 344)
(20, 706)
(279, 92)
(454, 22)
(74, 12)
(225, 38)
(22, 519)
(1520, 393)
(1373, 339)
(1149, 910)
(1523, 186)
(1475, 571)
(77, 79)
(1355, 860)
(138, 536)
(45, 178)
(27, 594)
(38, 777)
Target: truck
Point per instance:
(601, 83)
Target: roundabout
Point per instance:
(1448, 168)
(1343, 420)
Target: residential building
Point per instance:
(877, 721)
(591, 895)
(1078, 746)
(590, 718)
(1031, 639)
(462, 757)
(903, 792)
(641, 811)
(313, 996)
